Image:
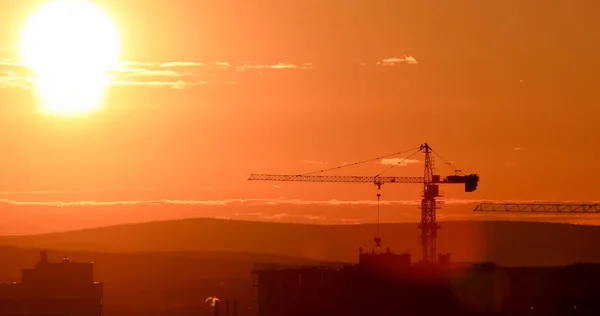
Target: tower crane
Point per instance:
(430, 181)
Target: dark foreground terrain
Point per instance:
(170, 268)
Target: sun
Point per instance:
(70, 45)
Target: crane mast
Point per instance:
(428, 225)
(429, 204)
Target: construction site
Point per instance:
(385, 283)
(379, 282)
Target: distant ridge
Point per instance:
(506, 243)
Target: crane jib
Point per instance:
(470, 181)
(539, 207)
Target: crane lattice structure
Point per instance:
(562, 208)
(430, 181)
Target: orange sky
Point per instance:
(216, 90)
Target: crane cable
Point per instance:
(418, 149)
(378, 198)
(359, 162)
(448, 163)
(399, 163)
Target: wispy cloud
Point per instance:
(258, 202)
(14, 75)
(180, 84)
(173, 64)
(98, 190)
(249, 65)
(398, 161)
(291, 217)
(22, 217)
(136, 72)
(398, 60)
(171, 74)
(174, 74)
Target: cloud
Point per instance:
(398, 60)
(136, 72)
(398, 161)
(14, 75)
(249, 65)
(9, 80)
(34, 217)
(517, 148)
(170, 74)
(174, 64)
(286, 216)
(257, 202)
(169, 84)
(55, 192)
(175, 74)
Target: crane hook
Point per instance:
(377, 239)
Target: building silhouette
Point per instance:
(63, 288)
(390, 284)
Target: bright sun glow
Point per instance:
(70, 45)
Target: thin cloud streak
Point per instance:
(136, 72)
(15, 75)
(248, 65)
(398, 161)
(54, 192)
(173, 64)
(172, 74)
(255, 202)
(157, 84)
(398, 60)
(23, 218)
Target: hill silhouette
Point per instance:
(505, 243)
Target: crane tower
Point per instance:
(430, 181)
(429, 205)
